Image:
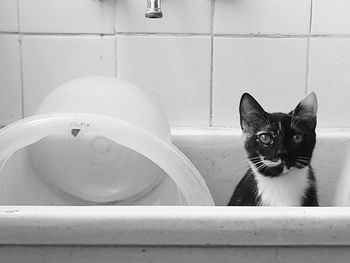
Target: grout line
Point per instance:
(259, 36)
(211, 34)
(57, 34)
(308, 51)
(115, 17)
(116, 57)
(12, 33)
(21, 70)
(329, 36)
(115, 40)
(231, 35)
(20, 57)
(18, 16)
(281, 36)
(211, 63)
(274, 36)
(162, 34)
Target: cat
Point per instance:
(279, 148)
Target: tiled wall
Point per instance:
(195, 62)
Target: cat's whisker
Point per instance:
(262, 166)
(243, 171)
(258, 163)
(301, 164)
(255, 159)
(303, 157)
(244, 166)
(302, 161)
(249, 159)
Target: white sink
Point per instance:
(191, 234)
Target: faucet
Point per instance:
(153, 9)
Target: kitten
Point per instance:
(279, 148)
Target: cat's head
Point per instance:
(277, 142)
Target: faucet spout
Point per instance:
(153, 9)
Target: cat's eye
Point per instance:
(265, 139)
(297, 138)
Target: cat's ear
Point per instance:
(307, 110)
(249, 111)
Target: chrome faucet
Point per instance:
(153, 9)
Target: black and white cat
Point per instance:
(279, 148)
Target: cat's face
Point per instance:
(278, 142)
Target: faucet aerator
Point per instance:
(153, 9)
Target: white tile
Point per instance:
(272, 70)
(331, 17)
(51, 61)
(262, 16)
(10, 80)
(329, 77)
(8, 16)
(67, 16)
(175, 71)
(180, 16)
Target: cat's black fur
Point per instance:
(284, 132)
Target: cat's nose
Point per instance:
(282, 153)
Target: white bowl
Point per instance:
(100, 170)
(103, 140)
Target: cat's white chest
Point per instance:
(285, 190)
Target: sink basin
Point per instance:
(192, 233)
